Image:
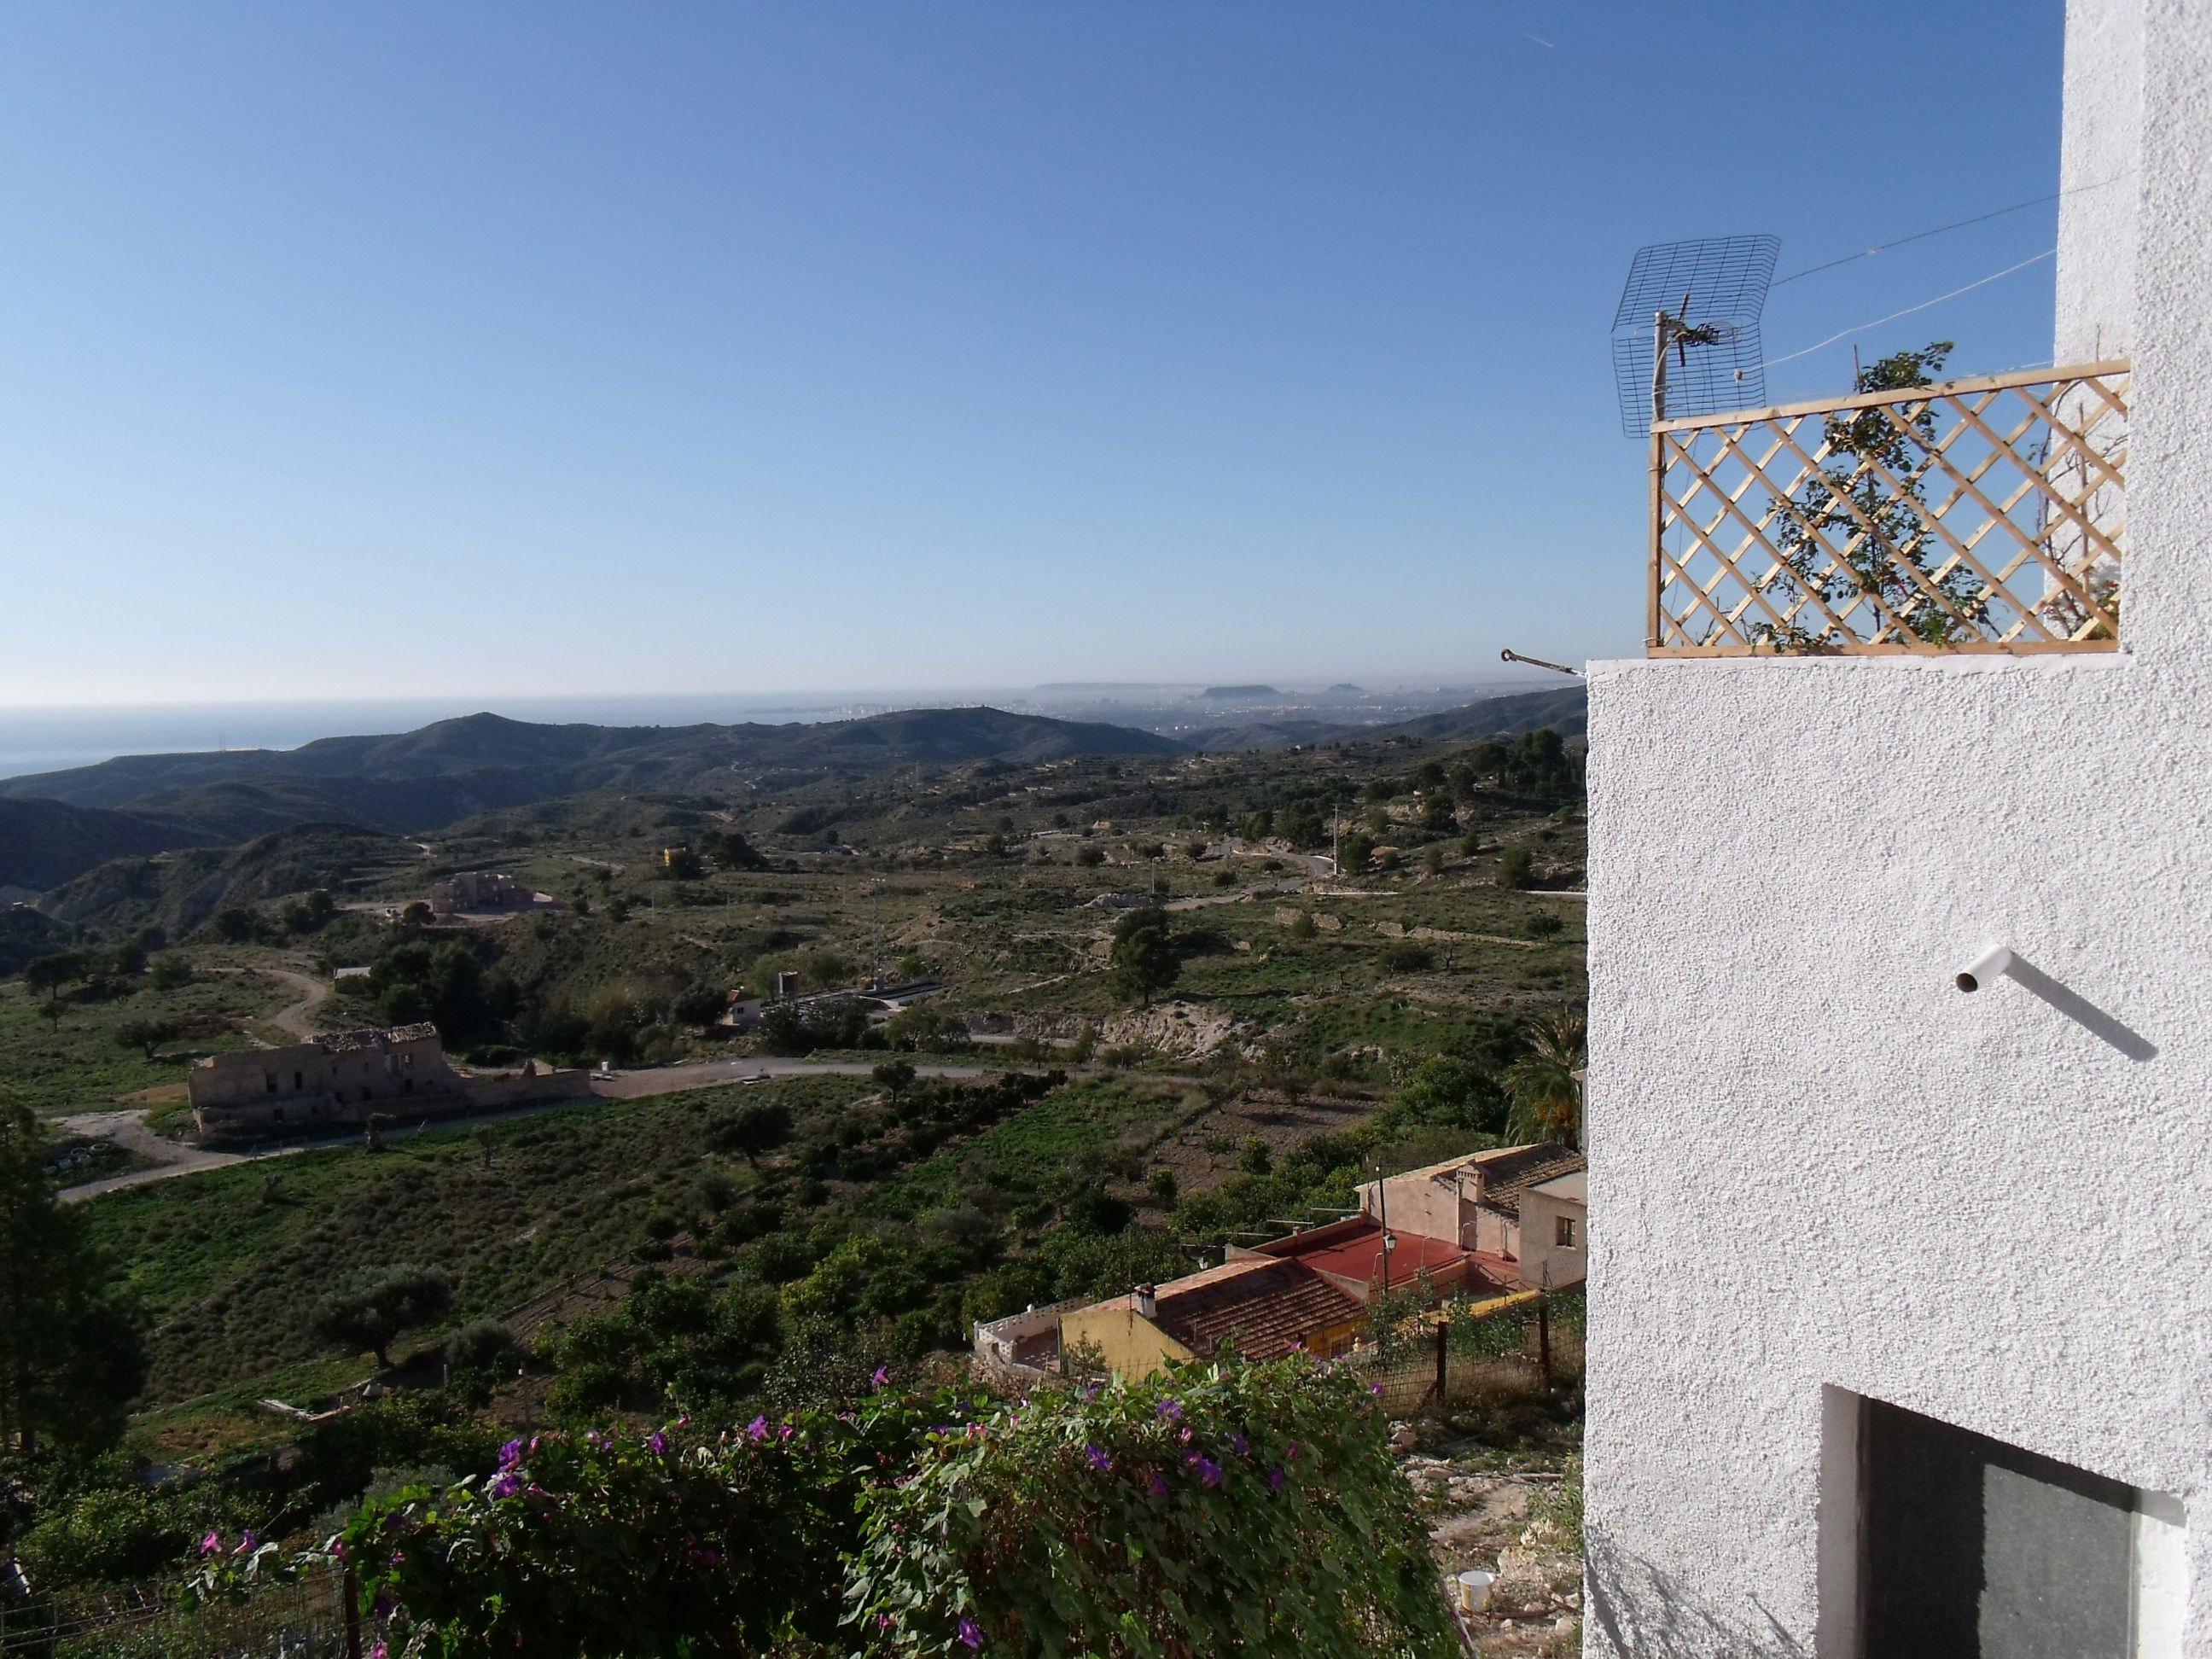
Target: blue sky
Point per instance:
(556, 349)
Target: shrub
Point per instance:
(485, 1347)
(1514, 866)
(1090, 857)
(1408, 958)
(1253, 1158)
(1209, 1510)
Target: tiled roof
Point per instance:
(1264, 1308)
(1507, 1174)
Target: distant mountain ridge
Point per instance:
(57, 826)
(1566, 711)
(422, 780)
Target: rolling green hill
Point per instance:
(45, 842)
(423, 779)
(177, 891)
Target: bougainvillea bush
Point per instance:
(1211, 1510)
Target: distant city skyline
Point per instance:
(517, 351)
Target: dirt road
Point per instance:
(127, 1129)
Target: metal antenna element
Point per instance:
(1538, 662)
(1697, 303)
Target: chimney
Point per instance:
(1148, 1302)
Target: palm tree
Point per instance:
(1545, 1084)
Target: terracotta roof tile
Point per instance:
(1262, 1307)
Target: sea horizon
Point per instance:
(53, 738)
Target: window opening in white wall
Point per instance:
(1969, 1548)
(1562, 1231)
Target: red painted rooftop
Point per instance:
(1352, 1249)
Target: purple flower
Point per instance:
(1168, 1408)
(882, 1376)
(1241, 1443)
(380, 1652)
(212, 1544)
(1159, 1486)
(1184, 1437)
(882, 1621)
(510, 1453)
(1275, 1478)
(383, 1607)
(789, 1431)
(657, 1442)
(1375, 1389)
(970, 1633)
(507, 1486)
(398, 1557)
(1099, 1460)
(245, 1542)
(1209, 1472)
(757, 1429)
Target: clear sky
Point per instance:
(545, 348)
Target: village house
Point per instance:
(1262, 1308)
(340, 1080)
(1898, 1089)
(1519, 1214)
(479, 890)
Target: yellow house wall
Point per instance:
(1131, 1347)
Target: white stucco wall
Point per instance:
(1818, 1163)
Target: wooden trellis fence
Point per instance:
(1978, 515)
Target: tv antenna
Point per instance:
(1686, 335)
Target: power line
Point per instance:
(1862, 327)
(1959, 224)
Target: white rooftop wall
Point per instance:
(1816, 1163)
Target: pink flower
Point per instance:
(380, 1652)
(757, 1429)
(1292, 1451)
(971, 1633)
(212, 1544)
(882, 1376)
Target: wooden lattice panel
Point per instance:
(1971, 515)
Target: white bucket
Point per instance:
(1474, 1589)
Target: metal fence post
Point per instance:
(349, 1589)
(1443, 1325)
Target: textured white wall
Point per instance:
(1813, 1161)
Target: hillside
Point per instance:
(179, 891)
(422, 780)
(45, 842)
(1566, 711)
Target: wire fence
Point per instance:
(305, 1618)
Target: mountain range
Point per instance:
(55, 826)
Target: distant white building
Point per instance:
(1900, 1334)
